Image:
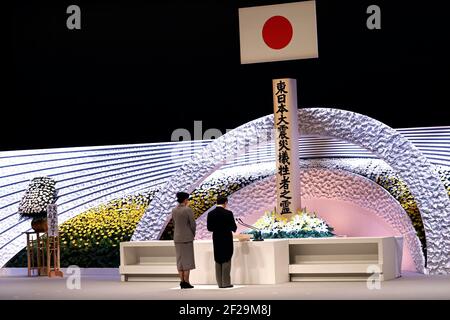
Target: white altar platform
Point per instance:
(272, 261)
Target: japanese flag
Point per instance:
(278, 32)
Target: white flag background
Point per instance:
(278, 32)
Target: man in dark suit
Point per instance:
(221, 223)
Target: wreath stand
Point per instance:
(43, 254)
(36, 246)
(53, 257)
(46, 245)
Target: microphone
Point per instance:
(257, 235)
(242, 223)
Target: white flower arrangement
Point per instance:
(40, 192)
(301, 225)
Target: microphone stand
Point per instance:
(257, 235)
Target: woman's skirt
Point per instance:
(185, 255)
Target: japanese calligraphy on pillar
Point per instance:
(286, 145)
(52, 220)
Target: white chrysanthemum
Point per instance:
(38, 195)
(314, 222)
(322, 228)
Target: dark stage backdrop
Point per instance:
(137, 70)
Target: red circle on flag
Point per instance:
(277, 32)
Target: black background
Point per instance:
(137, 70)
(281, 309)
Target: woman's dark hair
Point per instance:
(181, 196)
(222, 199)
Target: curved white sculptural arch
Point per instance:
(331, 187)
(414, 169)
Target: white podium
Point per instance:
(270, 261)
(254, 262)
(345, 259)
